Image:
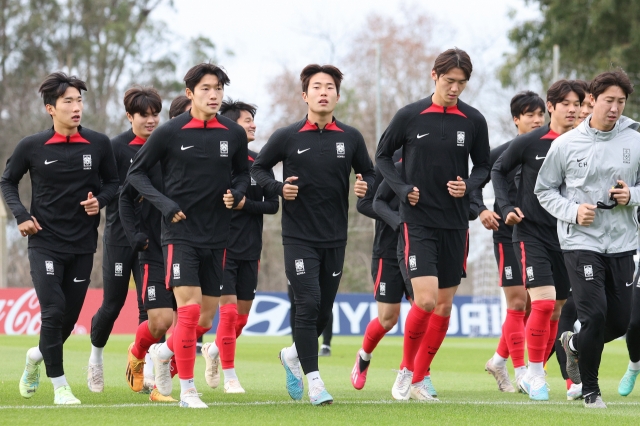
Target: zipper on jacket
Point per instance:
(568, 227)
(205, 125)
(442, 122)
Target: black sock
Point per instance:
(362, 364)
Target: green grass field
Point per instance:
(468, 394)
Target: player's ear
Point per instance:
(304, 97)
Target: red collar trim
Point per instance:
(437, 109)
(309, 126)
(200, 124)
(251, 158)
(137, 141)
(58, 138)
(551, 135)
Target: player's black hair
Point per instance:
(196, 73)
(232, 109)
(140, 99)
(179, 105)
(526, 101)
(56, 84)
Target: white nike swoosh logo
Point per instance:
(132, 160)
(335, 274)
(629, 284)
(422, 136)
(220, 287)
(49, 162)
(76, 280)
(300, 152)
(182, 147)
(540, 158)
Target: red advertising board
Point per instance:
(20, 312)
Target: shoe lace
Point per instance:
(294, 366)
(96, 378)
(404, 375)
(537, 382)
(137, 365)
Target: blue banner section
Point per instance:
(470, 316)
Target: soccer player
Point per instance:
(120, 259)
(584, 183)
(73, 175)
(242, 263)
(585, 108)
(179, 105)
(318, 154)
(199, 152)
(438, 134)
(527, 111)
(535, 239)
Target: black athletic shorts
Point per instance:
(388, 283)
(542, 267)
(193, 266)
(155, 294)
(240, 278)
(509, 274)
(435, 252)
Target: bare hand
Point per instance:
(29, 227)
(622, 195)
(457, 188)
(178, 217)
(360, 187)
(513, 218)
(289, 191)
(414, 196)
(228, 199)
(91, 205)
(240, 204)
(490, 220)
(586, 214)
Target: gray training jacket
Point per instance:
(581, 166)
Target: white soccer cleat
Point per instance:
(401, 389)
(419, 392)
(95, 377)
(212, 370)
(233, 386)
(162, 369)
(501, 375)
(574, 392)
(191, 399)
(64, 396)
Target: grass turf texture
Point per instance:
(468, 394)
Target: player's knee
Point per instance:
(443, 309)
(52, 315)
(425, 303)
(388, 322)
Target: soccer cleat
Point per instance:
(30, 379)
(191, 399)
(573, 369)
(295, 386)
(64, 396)
(628, 382)
(419, 392)
(211, 370)
(324, 351)
(233, 386)
(95, 377)
(359, 377)
(149, 384)
(401, 389)
(135, 371)
(501, 375)
(156, 396)
(574, 392)
(535, 386)
(594, 400)
(319, 396)
(429, 386)
(162, 371)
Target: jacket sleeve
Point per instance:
(240, 171)
(381, 206)
(550, 179)
(269, 205)
(127, 211)
(271, 154)
(509, 160)
(634, 192)
(17, 165)
(392, 139)
(365, 204)
(145, 159)
(480, 154)
(362, 164)
(108, 175)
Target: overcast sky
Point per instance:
(267, 35)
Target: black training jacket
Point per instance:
(528, 152)
(245, 236)
(437, 143)
(322, 160)
(198, 161)
(63, 170)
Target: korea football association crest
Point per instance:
(48, 264)
(253, 181)
(460, 138)
(299, 267)
(224, 148)
(588, 272)
(118, 269)
(176, 271)
(530, 273)
(340, 149)
(508, 272)
(383, 289)
(151, 293)
(86, 162)
(413, 264)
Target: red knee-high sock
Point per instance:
(201, 331)
(538, 329)
(144, 339)
(372, 336)
(436, 332)
(184, 345)
(170, 341)
(553, 334)
(226, 335)
(240, 323)
(414, 329)
(503, 349)
(513, 333)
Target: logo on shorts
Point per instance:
(413, 264)
(340, 149)
(224, 149)
(508, 272)
(383, 289)
(626, 155)
(299, 266)
(151, 293)
(118, 269)
(253, 181)
(86, 162)
(176, 271)
(530, 273)
(460, 138)
(588, 272)
(48, 264)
